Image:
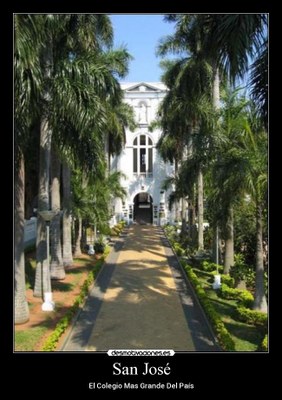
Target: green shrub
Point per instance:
(264, 344)
(116, 230)
(252, 317)
(228, 280)
(171, 233)
(178, 250)
(100, 244)
(243, 296)
(241, 271)
(210, 266)
(224, 337)
(104, 229)
(99, 247)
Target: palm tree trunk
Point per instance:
(21, 306)
(229, 242)
(215, 91)
(215, 253)
(183, 217)
(57, 267)
(177, 203)
(42, 283)
(83, 236)
(216, 104)
(107, 152)
(67, 245)
(77, 251)
(200, 211)
(260, 303)
(191, 220)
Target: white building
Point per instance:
(145, 171)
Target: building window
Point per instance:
(143, 156)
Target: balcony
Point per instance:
(143, 175)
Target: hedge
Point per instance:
(224, 337)
(252, 317)
(244, 296)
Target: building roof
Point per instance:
(143, 86)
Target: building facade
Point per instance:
(144, 170)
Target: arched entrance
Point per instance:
(143, 208)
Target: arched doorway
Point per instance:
(143, 208)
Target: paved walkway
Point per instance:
(141, 301)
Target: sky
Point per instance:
(140, 34)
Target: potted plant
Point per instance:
(100, 244)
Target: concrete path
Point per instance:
(141, 301)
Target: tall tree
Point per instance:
(185, 110)
(80, 85)
(256, 184)
(56, 266)
(27, 88)
(42, 283)
(21, 306)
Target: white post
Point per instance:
(48, 304)
(217, 278)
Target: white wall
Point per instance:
(152, 97)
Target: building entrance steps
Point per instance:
(141, 300)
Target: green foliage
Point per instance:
(104, 228)
(241, 271)
(178, 249)
(243, 296)
(210, 266)
(228, 280)
(252, 317)
(26, 340)
(170, 232)
(245, 228)
(30, 265)
(222, 334)
(117, 229)
(264, 344)
(100, 244)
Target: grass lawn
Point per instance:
(26, 340)
(31, 335)
(245, 336)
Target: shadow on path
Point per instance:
(141, 300)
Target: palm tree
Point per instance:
(256, 184)
(42, 264)
(82, 84)
(240, 168)
(259, 83)
(120, 117)
(21, 306)
(227, 176)
(56, 265)
(186, 108)
(92, 199)
(67, 243)
(234, 39)
(225, 42)
(27, 88)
